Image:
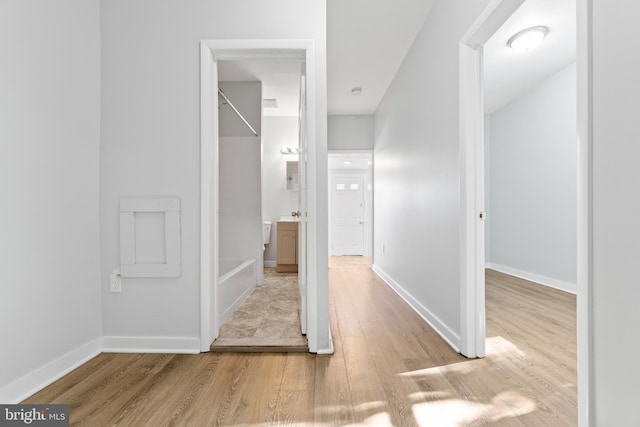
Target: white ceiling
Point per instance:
(366, 43)
(368, 39)
(509, 73)
(280, 80)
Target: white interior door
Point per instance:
(302, 202)
(347, 215)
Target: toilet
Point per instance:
(266, 234)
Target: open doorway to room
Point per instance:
(239, 86)
(351, 204)
(520, 189)
(531, 147)
(531, 188)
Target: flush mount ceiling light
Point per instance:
(356, 91)
(528, 39)
(347, 162)
(289, 150)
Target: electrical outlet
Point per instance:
(383, 248)
(115, 281)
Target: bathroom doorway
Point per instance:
(213, 59)
(262, 184)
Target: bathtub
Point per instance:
(237, 281)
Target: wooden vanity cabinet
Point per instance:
(287, 258)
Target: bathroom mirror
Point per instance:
(292, 175)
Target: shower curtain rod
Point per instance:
(221, 93)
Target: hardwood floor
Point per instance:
(389, 368)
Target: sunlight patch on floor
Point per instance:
(372, 413)
(439, 407)
(457, 412)
(497, 346)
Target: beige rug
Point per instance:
(268, 320)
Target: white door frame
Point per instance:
(472, 315)
(472, 299)
(302, 201)
(210, 52)
(584, 308)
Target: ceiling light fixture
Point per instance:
(356, 91)
(347, 162)
(289, 150)
(528, 39)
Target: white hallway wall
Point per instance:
(352, 132)
(616, 203)
(151, 143)
(49, 150)
(416, 172)
(531, 205)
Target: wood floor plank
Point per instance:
(113, 397)
(163, 398)
(299, 372)
(332, 396)
(294, 408)
(79, 377)
(259, 396)
(389, 368)
(226, 391)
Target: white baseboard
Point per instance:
(572, 288)
(330, 349)
(439, 326)
(270, 263)
(150, 345)
(38, 379)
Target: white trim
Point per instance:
(584, 308)
(170, 208)
(225, 315)
(207, 269)
(328, 350)
(472, 304)
(151, 345)
(536, 278)
(438, 325)
(472, 331)
(41, 377)
(271, 263)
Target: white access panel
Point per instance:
(150, 237)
